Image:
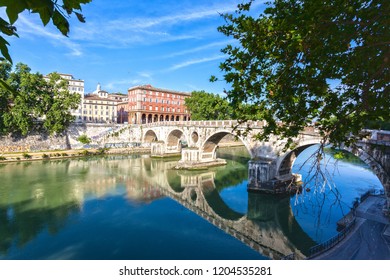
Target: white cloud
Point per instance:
(127, 31)
(200, 48)
(195, 61)
(27, 26)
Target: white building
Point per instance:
(101, 107)
(75, 86)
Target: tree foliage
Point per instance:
(84, 139)
(300, 63)
(34, 100)
(56, 11)
(207, 106)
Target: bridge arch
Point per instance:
(377, 168)
(286, 162)
(209, 146)
(150, 136)
(174, 137)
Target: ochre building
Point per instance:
(148, 104)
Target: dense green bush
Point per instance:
(84, 139)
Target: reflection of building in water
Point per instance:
(268, 227)
(103, 176)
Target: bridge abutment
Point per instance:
(160, 149)
(192, 158)
(262, 177)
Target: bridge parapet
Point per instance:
(216, 123)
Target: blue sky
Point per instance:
(169, 44)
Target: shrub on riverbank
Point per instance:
(26, 156)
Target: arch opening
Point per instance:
(220, 139)
(194, 137)
(175, 139)
(150, 136)
(284, 168)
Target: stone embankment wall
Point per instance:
(38, 141)
(33, 142)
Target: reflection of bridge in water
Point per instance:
(268, 227)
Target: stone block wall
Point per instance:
(32, 142)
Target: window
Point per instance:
(156, 108)
(167, 101)
(156, 100)
(150, 108)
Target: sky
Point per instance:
(168, 44)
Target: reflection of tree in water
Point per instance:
(21, 223)
(41, 196)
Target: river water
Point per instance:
(135, 207)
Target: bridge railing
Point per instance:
(330, 243)
(213, 123)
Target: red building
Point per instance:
(149, 104)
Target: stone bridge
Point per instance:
(270, 167)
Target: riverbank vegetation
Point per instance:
(310, 63)
(34, 102)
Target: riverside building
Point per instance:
(102, 107)
(148, 104)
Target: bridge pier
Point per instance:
(160, 149)
(262, 177)
(193, 158)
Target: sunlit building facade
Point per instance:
(148, 104)
(102, 107)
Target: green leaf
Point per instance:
(80, 17)
(14, 8)
(45, 14)
(60, 22)
(6, 86)
(4, 49)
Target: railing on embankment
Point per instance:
(330, 243)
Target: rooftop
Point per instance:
(150, 87)
(96, 97)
